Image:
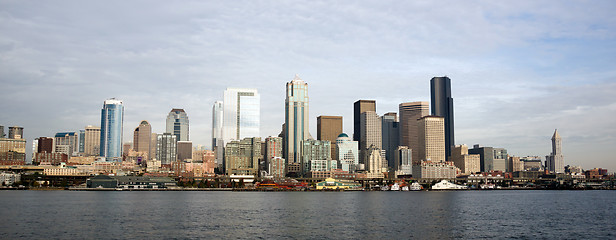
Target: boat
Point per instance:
(395, 187)
(445, 185)
(404, 188)
(415, 187)
(385, 188)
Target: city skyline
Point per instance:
(553, 70)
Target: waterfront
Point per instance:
(315, 215)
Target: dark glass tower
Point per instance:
(442, 105)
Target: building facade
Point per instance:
(166, 148)
(359, 107)
(112, 119)
(142, 139)
(431, 134)
(435, 170)
(391, 137)
(314, 150)
(242, 157)
(348, 152)
(16, 132)
(92, 141)
(410, 112)
(370, 132)
(296, 121)
(68, 139)
(217, 128)
(178, 124)
(555, 161)
(185, 150)
(442, 106)
(241, 114)
(467, 163)
(328, 128)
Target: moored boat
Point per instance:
(446, 185)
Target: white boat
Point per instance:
(395, 187)
(445, 185)
(415, 186)
(405, 188)
(385, 188)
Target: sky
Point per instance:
(519, 69)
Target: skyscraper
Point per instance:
(142, 138)
(217, 126)
(241, 114)
(166, 148)
(358, 108)
(391, 137)
(296, 120)
(431, 139)
(347, 151)
(82, 139)
(112, 118)
(370, 132)
(177, 124)
(328, 129)
(69, 141)
(410, 112)
(92, 141)
(555, 161)
(442, 106)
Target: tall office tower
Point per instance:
(1, 131)
(404, 161)
(82, 139)
(217, 126)
(431, 138)
(410, 112)
(442, 106)
(359, 107)
(142, 138)
(177, 124)
(241, 114)
(184, 149)
(347, 152)
(296, 121)
(16, 132)
(328, 128)
(370, 132)
(166, 148)
(92, 141)
(45, 144)
(467, 163)
(391, 137)
(242, 157)
(112, 120)
(154, 145)
(555, 161)
(68, 141)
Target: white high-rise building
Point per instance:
(241, 114)
(296, 119)
(347, 152)
(555, 162)
(217, 127)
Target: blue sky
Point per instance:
(519, 69)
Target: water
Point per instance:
(308, 215)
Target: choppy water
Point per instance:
(308, 215)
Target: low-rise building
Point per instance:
(334, 184)
(435, 170)
(8, 179)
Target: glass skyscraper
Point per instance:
(177, 124)
(112, 117)
(296, 119)
(442, 106)
(241, 114)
